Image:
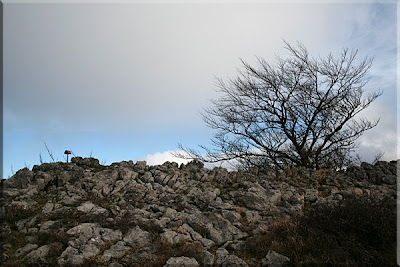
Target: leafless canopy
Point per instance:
(301, 111)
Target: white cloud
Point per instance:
(159, 158)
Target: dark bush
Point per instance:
(166, 251)
(360, 231)
(353, 232)
(16, 212)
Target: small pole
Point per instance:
(67, 152)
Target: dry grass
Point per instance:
(166, 251)
(354, 232)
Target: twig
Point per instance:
(40, 158)
(26, 165)
(50, 153)
(12, 171)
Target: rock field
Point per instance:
(131, 214)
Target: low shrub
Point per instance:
(166, 251)
(17, 212)
(353, 232)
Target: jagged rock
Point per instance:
(20, 204)
(389, 179)
(147, 177)
(311, 195)
(207, 258)
(70, 200)
(191, 234)
(43, 180)
(49, 207)
(109, 235)
(117, 250)
(47, 226)
(71, 256)
(233, 261)
(90, 208)
(20, 180)
(137, 237)
(181, 262)
(220, 256)
(274, 259)
(189, 206)
(40, 253)
(86, 162)
(4, 229)
(172, 237)
(258, 198)
(194, 165)
(252, 216)
(232, 216)
(140, 165)
(87, 238)
(357, 191)
(221, 230)
(214, 227)
(170, 213)
(25, 249)
(89, 250)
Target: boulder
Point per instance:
(85, 162)
(136, 237)
(172, 237)
(233, 261)
(19, 180)
(117, 250)
(181, 262)
(89, 208)
(25, 249)
(274, 259)
(41, 253)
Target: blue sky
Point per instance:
(128, 81)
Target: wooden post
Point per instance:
(67, 152)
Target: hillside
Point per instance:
(131, 214)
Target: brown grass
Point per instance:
(354, 232)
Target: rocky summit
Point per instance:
(130, 214)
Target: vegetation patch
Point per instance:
(353, 232)
(166, 251)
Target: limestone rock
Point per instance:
(274, 259)
(25, 249)
(85, 162)
(172, 237)
(47, 226)
(221, 255)
(208, 259)
(90, 208)
(151, 206)
(233, 261)
(117, 250)
(20, 180)
(181, 262)
(137, 237)
(39, 254)
(71, 256)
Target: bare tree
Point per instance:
(301, 111)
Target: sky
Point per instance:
(129, 80)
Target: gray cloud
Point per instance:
(135, 69)
(113, 63)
